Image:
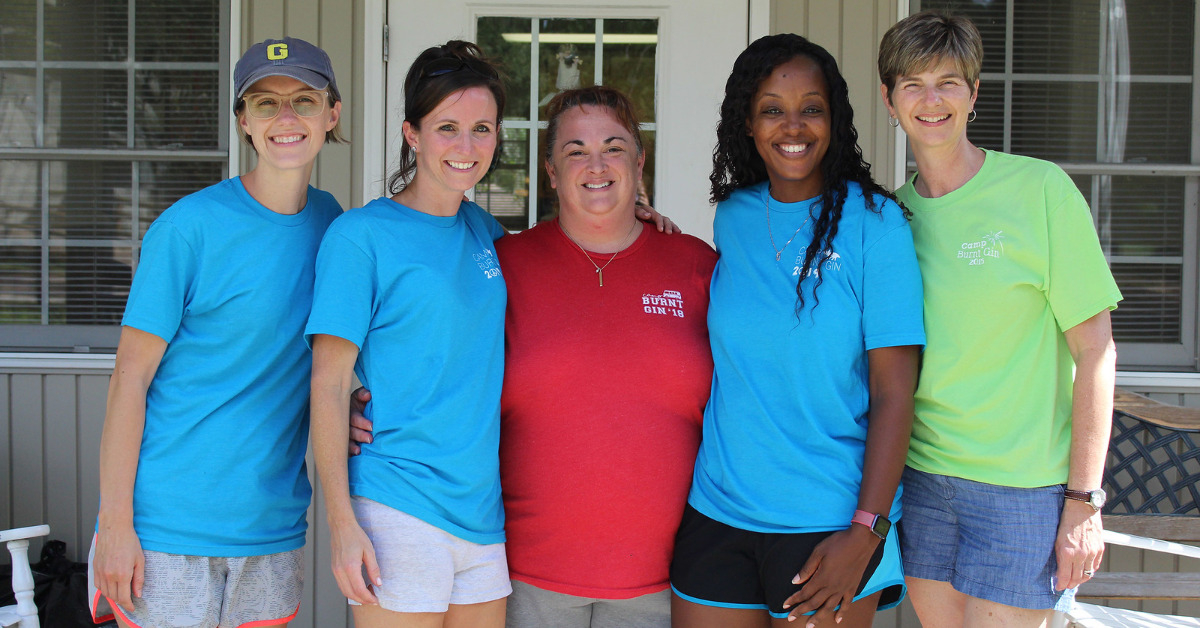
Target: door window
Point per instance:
(539, 58)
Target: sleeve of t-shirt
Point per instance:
(493, 226)
(893, 298)
(344, 291)
(163, 284)
(1078, 284)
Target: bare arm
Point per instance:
(832, 574)
(333, 363)
(119, 563)
(649, 214)
(1079, 547)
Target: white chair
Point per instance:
(1093, 616)
(1153, 480)
(24, 613)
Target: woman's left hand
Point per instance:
(831, 576)
(649, 214)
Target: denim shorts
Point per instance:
(991, 542)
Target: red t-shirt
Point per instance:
(604, 393)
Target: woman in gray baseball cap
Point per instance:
(202, 478)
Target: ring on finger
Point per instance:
(1089, 573)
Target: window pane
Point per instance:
(20, 201)
(96, 201)
(87, 107)
(505, 192)
(87, 31)
(1159, 124)
(88, 285)
(18, 32)
(1055, 121)
(20, 285)
(164, 182)
(18, 110)
(566, 56)
(1153, 300)
(1142, 216)
(989, 18)
(988, 128)
(506, 39)
(629, 67)
(168, 30)
(178, 110)
(1056, 37)
(650, 142)
(1161, 37)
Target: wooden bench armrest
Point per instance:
(1146, 543)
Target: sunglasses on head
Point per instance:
(449, 65)
(266, 105)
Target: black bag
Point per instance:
(59, 589)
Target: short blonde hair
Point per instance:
(920, 41)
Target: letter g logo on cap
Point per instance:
(276, 52)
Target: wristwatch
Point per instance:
(1095, 498)
(877, 524)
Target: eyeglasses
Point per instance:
(449, 65)
(266, 105)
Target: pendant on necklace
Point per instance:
(778, 254)
(600, 273)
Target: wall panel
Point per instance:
(850, 31)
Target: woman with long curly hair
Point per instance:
(815, 322)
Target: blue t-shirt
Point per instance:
(786, 423)
(423, 298)
(228, 284)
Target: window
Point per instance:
(110, 110)
(1108, 90)
(540, 57)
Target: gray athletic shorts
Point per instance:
(206, 592)
(534, 607)
(424, 568)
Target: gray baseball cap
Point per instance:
(285, 57)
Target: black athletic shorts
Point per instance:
(720, 565)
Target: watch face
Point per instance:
(1097, 499)
(882, 527)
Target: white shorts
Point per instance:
(424, 568)
(206, 592)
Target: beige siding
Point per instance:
(850, 30)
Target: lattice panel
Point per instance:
(1151, 470)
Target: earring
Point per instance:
(893, 122)
(971, 116)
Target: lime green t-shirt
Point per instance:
(1008, 261)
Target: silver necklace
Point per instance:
(599, 269)
(779, 251)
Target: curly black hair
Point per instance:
(737, 164)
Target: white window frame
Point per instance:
(103, 338)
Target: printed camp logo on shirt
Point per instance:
(669, 303)
(833, 264)
(977, 252)
(487, 263)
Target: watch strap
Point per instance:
(877, 524)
